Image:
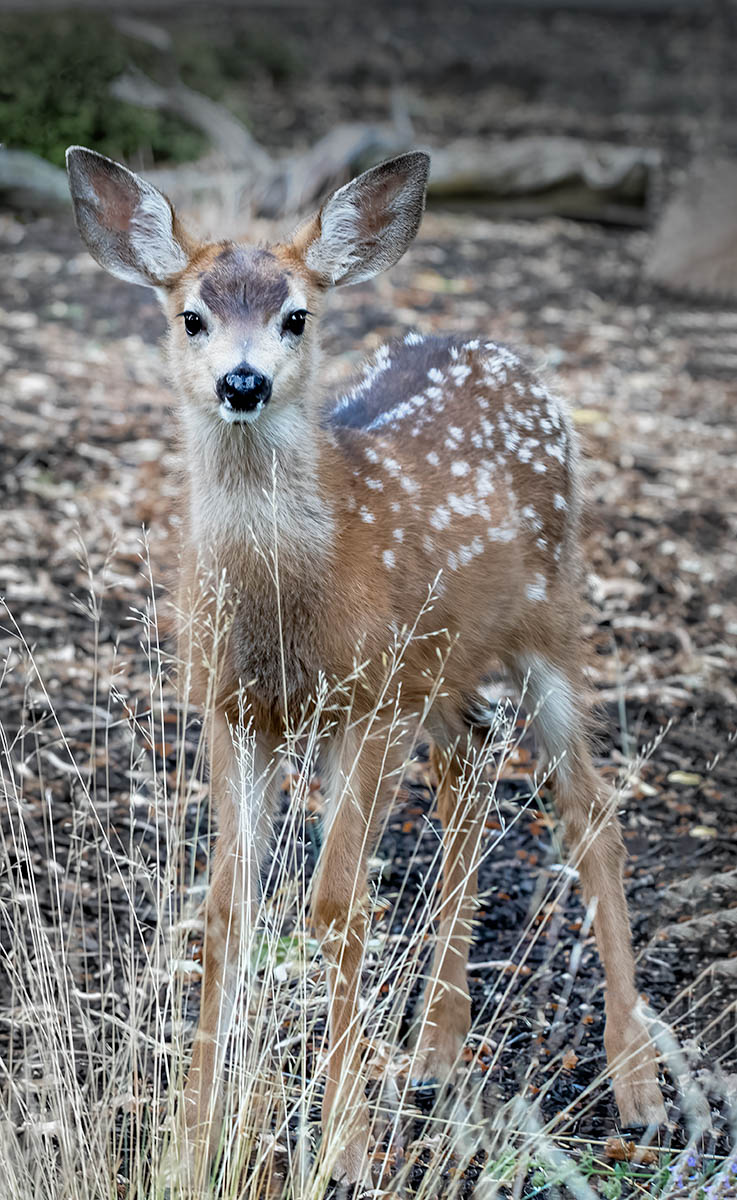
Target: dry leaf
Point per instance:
(588, 416)
(621, 1151)
(618, 1149)
(686, 778)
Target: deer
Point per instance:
(446, 460)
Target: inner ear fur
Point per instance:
(366, 225)
(128, 225)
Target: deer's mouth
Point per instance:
(237, 415)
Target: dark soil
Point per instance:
(89, 452)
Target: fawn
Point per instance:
(446, 461)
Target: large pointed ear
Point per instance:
(127, 225)
(367, 225)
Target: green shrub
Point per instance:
(55, 72)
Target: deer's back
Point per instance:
(460, 461)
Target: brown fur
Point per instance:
(242, 282)
(447, 462)
(350, 598)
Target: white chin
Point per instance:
(234, 417)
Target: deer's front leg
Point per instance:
(241, 774)
(339, 909)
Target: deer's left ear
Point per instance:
(367, 225)
(128, 226)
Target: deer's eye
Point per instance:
(295, 322)
(192, 323)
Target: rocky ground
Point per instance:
(90, 490)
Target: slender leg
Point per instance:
(593, 831)
(339, 908)
(446, 1017)
(587, 807)
(240, 779)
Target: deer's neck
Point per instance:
(258, 484)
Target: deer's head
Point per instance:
(242, 318)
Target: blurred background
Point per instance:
(582, 208)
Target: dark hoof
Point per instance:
(426, 1092)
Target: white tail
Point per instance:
(447, 462)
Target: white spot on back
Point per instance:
(389, 559)
(537, 590)
(465, 506)
(501, 533)
(484, 484)
(530, 515)
(460, 373)
(440, 518)
(404, 409)
(376, 366)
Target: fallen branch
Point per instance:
(534, 176)
(251, 179)
(227, 134)
(29, 182)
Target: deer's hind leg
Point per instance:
(587, 806)
(446, 1010)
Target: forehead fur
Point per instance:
(238, 281)
(242, 281)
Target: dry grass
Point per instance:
(89, 1087)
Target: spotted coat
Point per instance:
(455, 447)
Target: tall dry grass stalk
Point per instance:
(100, 992)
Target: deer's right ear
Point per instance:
(367, 225)
(127, 225)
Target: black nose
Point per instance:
(244, 389)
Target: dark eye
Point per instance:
(192, 323)
(295, 322)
